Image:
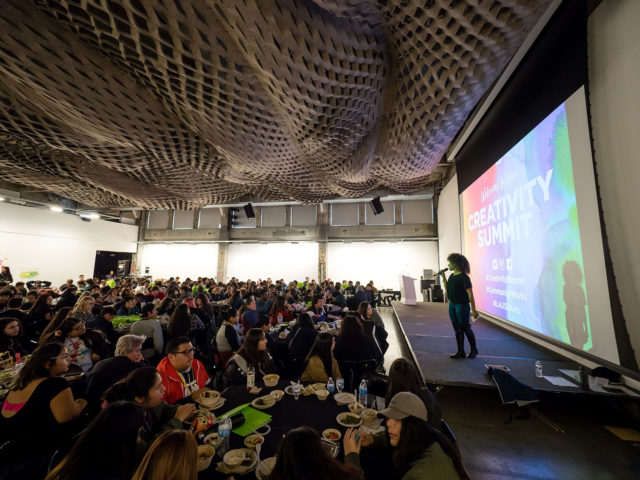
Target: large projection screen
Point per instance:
(531, 231)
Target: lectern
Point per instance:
(408, 290)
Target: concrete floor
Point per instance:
(563, 438)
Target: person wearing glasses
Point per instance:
(183, 376)
(35, 415)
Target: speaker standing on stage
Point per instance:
(461, 303)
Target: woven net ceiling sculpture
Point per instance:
(183, 103)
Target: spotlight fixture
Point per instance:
(376, 206)
(92, 216)
(1, 199)
(248, 209)
(56, 209)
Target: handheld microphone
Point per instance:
(443, 270)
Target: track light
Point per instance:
(248, 209)
(376, 206)
(56, 209)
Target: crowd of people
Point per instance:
(109, 404)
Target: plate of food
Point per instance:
(262, 403)
(348, 419)
(331, 434)
(344, 398)
(252, 441)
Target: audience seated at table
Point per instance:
(253, 352)
(248, 315)
(338, 297)
(129, 308)
(317, 309)
(10, 335)
(320, 363)
(144, 386)
(299, 342)
(419, 451)
(173, 455)
(182, 375)
(103, 323)
(301, 455)
(149, 327)
(14, 311)
(85, 346)
(204, 306)
(36, 413)
(404, 377)
(107, 449)
(52, 329)
(373, 329)
(227, 342)
(182, 322)
(167, 306)
(128, 357)
(83, 307)
(264, 325)
(30, 300)
(353, 344)
(41, 312)
(68, 298)
(280, 310)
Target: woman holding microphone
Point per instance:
(461, 303)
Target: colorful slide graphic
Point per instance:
(522, 237)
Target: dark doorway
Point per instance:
(118, 262)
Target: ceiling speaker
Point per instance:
(376, 206)
(248, 209)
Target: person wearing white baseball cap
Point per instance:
(419, 451)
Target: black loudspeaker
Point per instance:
(437, 294)
(376, 206)
(248, 209)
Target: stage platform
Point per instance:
(431, 340)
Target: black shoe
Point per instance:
(458, 355)
(473, 353)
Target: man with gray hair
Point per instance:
(128, 357)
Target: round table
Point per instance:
(286, 414)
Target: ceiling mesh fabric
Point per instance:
(183, 103)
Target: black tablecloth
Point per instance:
(286, 414)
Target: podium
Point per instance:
(408, 290)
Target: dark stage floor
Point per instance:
(429, 334)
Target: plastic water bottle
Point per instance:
(331, 386)
(224, 432)
(251, 377)
(539, 369)
(340, 384)
(279, 318)
(296, 388)
(362, 392)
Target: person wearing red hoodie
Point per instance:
(183, 376)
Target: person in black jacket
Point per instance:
(353, 344)
(105, 373)
(5, 274)
(13, 311)
(103, 323)
(300, 340)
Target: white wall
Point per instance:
(614, 70)
(382, 262)
(448, 222)
(290, 261)
(57, 245)
(183, 260)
